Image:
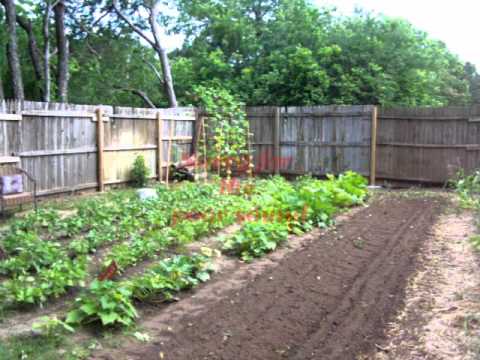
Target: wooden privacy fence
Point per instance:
(312, 140)
(427, 144)
(74, 147)
(67, 148)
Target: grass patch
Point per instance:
(55, 347)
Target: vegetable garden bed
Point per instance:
(47, 257)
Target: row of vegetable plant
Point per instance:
(143, 230)
(293, 208)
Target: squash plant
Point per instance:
(112, 303)
(256, 238)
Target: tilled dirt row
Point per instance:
(330, 299)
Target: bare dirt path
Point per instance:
(440, 319)
(330, 298)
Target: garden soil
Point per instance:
(330, 296)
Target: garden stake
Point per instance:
(205, 159)
(169, 153)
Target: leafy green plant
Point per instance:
(256, 238)
(227, 124)
(468, 189)
(106, 301)
(475, 240)
(39, 267)
(172, 275)
(53, 281)
(52, 326)
(111, 303)
(140, 172)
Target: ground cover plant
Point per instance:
(467, 188)
(47, 255)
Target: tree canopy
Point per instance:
(266, 52)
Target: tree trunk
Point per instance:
(12, 50)
(156, 44)
(46, 51)
(33, 49)
(140, 94)
(162, 55)
(2, 95)
(63, 54)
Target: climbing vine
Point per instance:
(227, 127)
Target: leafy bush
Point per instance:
(140, 172)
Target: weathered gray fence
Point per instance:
(67, 148)
(316, 140)
(427, 144)
(59, 143)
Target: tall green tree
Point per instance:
(299, 54)
(473, 79)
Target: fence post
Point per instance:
(196, 131)
(276, 141)
(169, 150)
(159, 146)
(100, 149)
(373, 146)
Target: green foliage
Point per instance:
(257, 238)
(294, 53)
(227, 122)
(467, 188)
(106, 301)
(475, 240)
(172, 275)
(40, 265)
(140, 172)
(47, 282)
(35, 347)
(284, 208)
(51, 326)
(111, 303)
(267, 52)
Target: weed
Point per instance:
(140, 172)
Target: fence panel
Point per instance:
(9, 134)
(312, 140)
(58, 145)
(427, 144)
(325, 139)
(133, 131)
(261, 121)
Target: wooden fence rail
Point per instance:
(75, 147)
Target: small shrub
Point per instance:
(140, 172)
